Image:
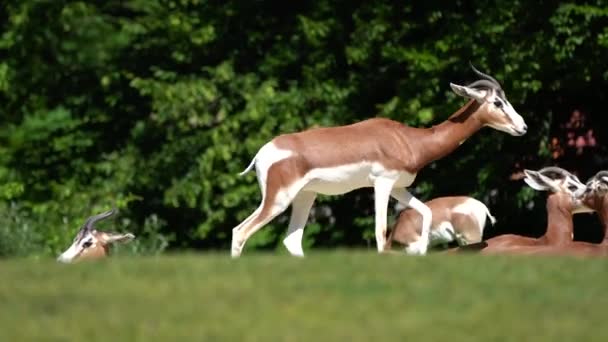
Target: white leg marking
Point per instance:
(300, 209)
(382, 193)
(419, 247)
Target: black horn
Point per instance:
(91, 220)
(483, 83)
(551, 171)
(485, 76)
(600, 177)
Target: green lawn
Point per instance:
(327, 296)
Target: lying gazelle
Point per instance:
(594, 197)
(459, 219)
(90, 243)
(563, 201)
(379, 153)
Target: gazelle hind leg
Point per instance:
(261, 176)
(419, 247)
(382, 192)
(248, 219)
(276, 201)
(300, 209)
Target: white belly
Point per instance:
(345, 178)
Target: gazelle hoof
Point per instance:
(294, 246)
(417, 248)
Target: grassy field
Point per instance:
(327, 296)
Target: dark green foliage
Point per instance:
(155, 106)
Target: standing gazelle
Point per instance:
(90, 243)
(379, 153)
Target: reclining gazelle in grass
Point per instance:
(379, 153)
(563, 201)
(595, 197)
(459, 219)
(91, 243)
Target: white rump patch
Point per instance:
(264, 159)
(270, 154)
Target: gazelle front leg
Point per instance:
(419, 247)
(382, 193)
(300, 209)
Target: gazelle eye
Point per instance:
(498, 104)
(87, 244)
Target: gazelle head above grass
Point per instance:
(595, 194)
(91, 243)
(559, 182)
(495, 110)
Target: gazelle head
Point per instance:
(597, 189)
(559, 181)
(90, 243)
(495, 110)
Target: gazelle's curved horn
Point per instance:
(483, 83)
(597, 179)
(88, 225)
(485, 76)
(600, 176)
(546, 171)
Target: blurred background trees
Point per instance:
(155, 106)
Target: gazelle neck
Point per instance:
(440, 140)
(559, 223)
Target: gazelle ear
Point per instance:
(109, 238)
(535, 180)
(467, 92)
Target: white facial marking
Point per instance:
(574, 185)
(516, 125)
(77, 247)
